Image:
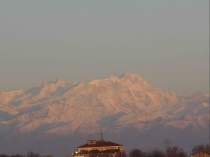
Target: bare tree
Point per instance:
(32, 154)
(155, 153)
(137, 153)
(167, 143)
(3, 155)
(175, 152)
(17, 155)
(124, 154)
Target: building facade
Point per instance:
(101, 148)
(201, 154)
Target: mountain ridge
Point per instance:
(117, 104)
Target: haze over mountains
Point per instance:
(55, 117)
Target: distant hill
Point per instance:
(55, 117)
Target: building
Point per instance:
(201, 154)
(100, 148)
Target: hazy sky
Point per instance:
(164, 41)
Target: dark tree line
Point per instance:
(170, 151)
(29, 154)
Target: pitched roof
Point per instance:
(205, 152)
(100, 144)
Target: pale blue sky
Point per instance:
(164, 41)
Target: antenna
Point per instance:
(89, 133)
(102, 139)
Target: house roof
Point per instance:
(205, 152)
(99, 144)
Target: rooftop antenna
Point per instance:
(89, 133)
(102, 139)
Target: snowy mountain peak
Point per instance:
(59, 81)
(133, 76)
(114, 78)
(135, 79)
(119, 104)
(128, 79)
(55, 83)
(43, 83)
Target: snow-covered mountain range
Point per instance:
(55, 117)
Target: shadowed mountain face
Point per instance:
(56, 117)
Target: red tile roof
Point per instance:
(100, 144)
(205, 152)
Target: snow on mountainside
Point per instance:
(119, 105)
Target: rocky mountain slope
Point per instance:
(55, 117)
